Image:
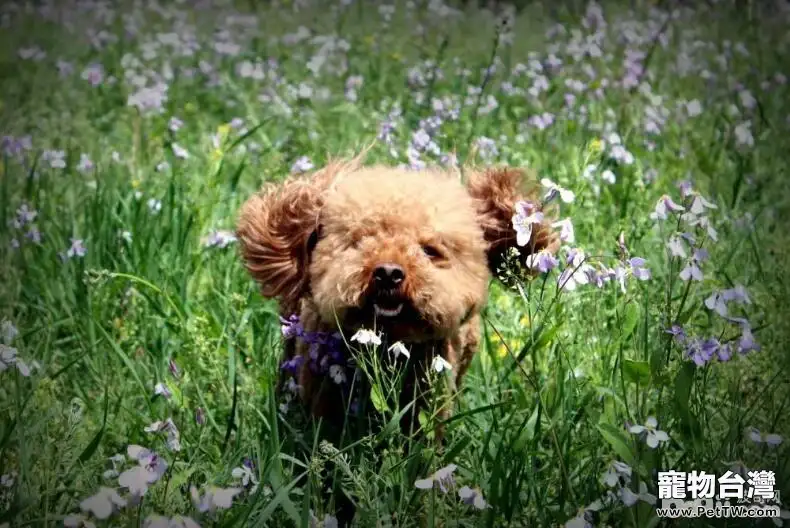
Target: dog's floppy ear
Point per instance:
(276, 230)
(495, 192)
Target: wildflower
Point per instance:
(577, 270)
(526, 215)
(161, 389)
(439, 364)
(691, 271)
(200, 416)
(173, 435)
(8, 358)
(154, 205)
(724, 353)
(702, 351)
(175, 124)
(676, 248)
(638, 268)
(699, 204)
(567, 233)
(664, 204)
(77, 248)
(338, 374)
(116, 461)
(555, 190)
(717, 303)
(219, 239)
(76, 520)
(473, 497)
(693, 108)
(247, 477)
(399, 349)
(8, 332)
(743, 134)
(737, 293)
(179, 151)
(366, 337)
(615, 472)
(653, 435)
(630, 498)
(173, 368)
(543, 261)
(771, 439)
(55, 158)
(582, 519)
(104, 503)
(215, 498)
(301, 165)
(85, 164)
(608, 176)
(442, 478)
(149, 469)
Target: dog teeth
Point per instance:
(387, 312)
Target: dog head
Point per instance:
(406, 252)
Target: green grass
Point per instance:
(546, 406)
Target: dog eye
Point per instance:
(431, 252)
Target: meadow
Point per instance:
(138, 364)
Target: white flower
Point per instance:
(567, 234)
(473, 497)
(526, 215)
(439, 364)
(214, 498)
(608, 176)
(8, 358)
(8, 332)
(443, 478)
(161, 389)
(654, 436)
(180, 152)
(366, 337)
(154, 205)
(664, 205)
(150, 469)
(338, 374)
(565, 195)
(173, 434)
(630, 498)
(614, 472)
(247, 477)
(399, 349)
(693, 108)
(76, 520)
(743, 134)
(699, 204)
(104, 503)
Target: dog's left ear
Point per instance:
(495, 192)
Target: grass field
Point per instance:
(138, 366)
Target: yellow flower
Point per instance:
(223, 130)
(190, 107)
(396, 56)
(369, 40)
(136, 183)
(524, 321)
(596, 145)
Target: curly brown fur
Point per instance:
(317, 243)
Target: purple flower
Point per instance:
(677, 333)
(301, 165)
(543, 261)
(663, 206)
(77, 249)
(639, 269)
(200, 416)
(292, 365)
(716, 302)
(724, 352)
(526, 215)
(291, 327)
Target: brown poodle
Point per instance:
(409, 253)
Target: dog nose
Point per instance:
(388, 276)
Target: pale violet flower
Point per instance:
(771, 439)
(743, 134)
(179, 151)
(567, 233)
(526, 215)
(663, 206)
(104, 503)
(582, 519)
(302, 165)
(214, 498)
(160, 389)
(693, 108)
(75, 520)
(169, 427)
(399, 349)
(443, 478)
(652, 434)
(366, 337)
(8, 332)
(543, 261)
(439, 364)
(9, 358)
(338, 374)
(472, 497)
(630, 498)
(700, 204)
(247, 477)
(219, 239)
(555, 190)
(149, 469)
(617, 470)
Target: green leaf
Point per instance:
(617, 438)
(378, 400)
(630, 318)
(636, 371)
(94, 444)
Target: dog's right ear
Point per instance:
(276, 230)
